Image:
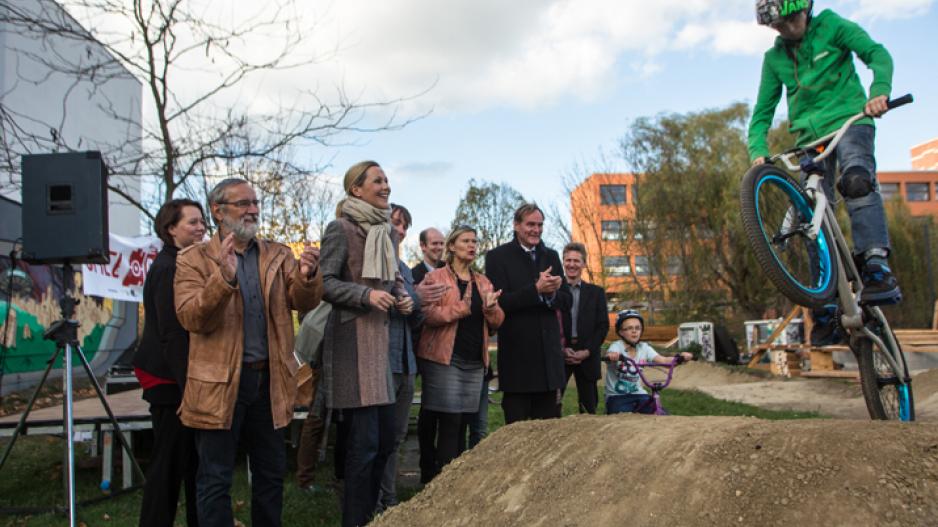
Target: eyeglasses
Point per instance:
(241, 203)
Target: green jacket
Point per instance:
(821, 83)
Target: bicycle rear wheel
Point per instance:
(776, 213)
(886, 397)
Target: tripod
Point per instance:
(65, 334)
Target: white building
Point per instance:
(45, 107)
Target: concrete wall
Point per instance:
(102, 115)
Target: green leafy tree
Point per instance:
(490, 208)
(687, 219)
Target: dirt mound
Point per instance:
(696, 374)
(642, 470)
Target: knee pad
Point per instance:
(855, 183)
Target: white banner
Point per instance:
(122, 278)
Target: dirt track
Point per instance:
(672, 471)
(669, 471)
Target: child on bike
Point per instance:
(624, 391)
(813, 60)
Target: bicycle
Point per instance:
(800, 246)
(632, 367)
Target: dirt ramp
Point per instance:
(668, 471)
(696, 374)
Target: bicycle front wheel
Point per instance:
(886, 397)
(776, 214)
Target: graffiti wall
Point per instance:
(29, 303)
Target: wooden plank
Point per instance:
(832, 374)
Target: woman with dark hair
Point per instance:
(361, 281)
(453, 350)
(160, 365)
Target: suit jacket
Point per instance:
(419, 271)
(530, 358)
(592, 324)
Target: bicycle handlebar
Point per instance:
(832, 139)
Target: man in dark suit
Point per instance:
(585, 326)
(431, 245)
(530, 359)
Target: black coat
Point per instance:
(530, 359)
(164, 346)
(592, 325)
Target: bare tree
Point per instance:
(194, 71)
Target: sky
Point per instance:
(525, 92)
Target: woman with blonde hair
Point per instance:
(453, 351)
(360, 280)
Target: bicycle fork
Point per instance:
(851, 317)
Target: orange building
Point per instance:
(603, 218)
(603, 208)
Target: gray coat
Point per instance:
(356, 369)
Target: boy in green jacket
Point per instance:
(813, 60)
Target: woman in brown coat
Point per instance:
(453, 350)
(360, 280)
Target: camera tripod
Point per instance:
(65, 334)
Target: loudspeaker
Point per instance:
(65, 208)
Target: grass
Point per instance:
(33, 475)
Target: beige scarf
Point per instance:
(378, 260)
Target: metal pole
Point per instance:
(69, 436)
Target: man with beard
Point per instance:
(530, 360)
(234, 294)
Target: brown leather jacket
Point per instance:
(439, 329)
(212, 311)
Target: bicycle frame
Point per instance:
(633, 367)
(849, 286)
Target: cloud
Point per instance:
(890, 9)
(422, 169)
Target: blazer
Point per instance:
(530, 359)
(420, 271)
(592, 325)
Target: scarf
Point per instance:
(378, 260)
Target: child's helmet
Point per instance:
(769, 12)
(624, 315)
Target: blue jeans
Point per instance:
(371, 434)
(867, 215)
(479, 423)
(266, 448)
(627, 404)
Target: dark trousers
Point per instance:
(524, 406)
(586, 391)
(371, 434)
(173, 464)
(426, 439)
(253, 424)
(451, 437)
(629, 403)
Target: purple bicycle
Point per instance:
(629, 367)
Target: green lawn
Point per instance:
(32, 477)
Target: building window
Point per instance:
(916, 191)
(674, 266)
(612, 194)
(617, 265)
(888, 190)
(642, 266)
(645, 230)
(613, 230)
